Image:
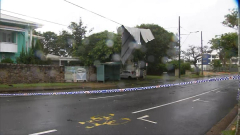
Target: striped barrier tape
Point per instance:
(234, 77)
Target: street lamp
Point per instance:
(190, 33)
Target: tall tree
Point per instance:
(162, 46)
(38, 33)
(231, 19)
(65, 43)
(194, 54)
(50, 45)
(102, 47)
(227, 46)
(79, 33)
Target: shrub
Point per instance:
(184, 67)
(34, 55)
(7, 60)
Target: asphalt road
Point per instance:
(181, 110)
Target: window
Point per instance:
(6, 36)
(234, 60)
(213, 56)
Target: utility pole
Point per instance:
(179, 41)
(0, 9)
(202, 53)
(238, 116)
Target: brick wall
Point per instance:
(21, 73)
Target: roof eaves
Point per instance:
(22, 23)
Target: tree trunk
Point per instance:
(196, 67)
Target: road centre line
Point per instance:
(108, 96)
(174, 101)
(44, 132)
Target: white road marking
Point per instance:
(108, 96)
(174, 101)
(44, 132)
(196, 100)
(199, 100)
(145, 116)
(220, 92)
(203, 101)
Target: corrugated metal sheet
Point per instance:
(132, 37)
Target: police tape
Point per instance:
(234, 77)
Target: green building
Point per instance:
(16, 34)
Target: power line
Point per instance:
(185, 39)
(33, 17)
(185, 29)
(93, 12)
(189, 31)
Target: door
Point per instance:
(100, 73)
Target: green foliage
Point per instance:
(34, 55)
(231, 20)
(185, 66)
(216, 64)
(65, 43)
(7, 60)
(95, 48)
(194, 53)
(162, 46)
(227, 44)
(38, 33)
(175, 64)
(50, 43)
(78, 32)
(228, 132)
(162, 68)
(60, 45)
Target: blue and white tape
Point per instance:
(234, 77)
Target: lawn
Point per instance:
(153, 77)
(231, 129)
(123, 83)
(38, 85)
(48, 85)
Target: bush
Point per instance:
(184, 67)
(216, 64)
(34, 55)
(7, 60)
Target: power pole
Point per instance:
(0, 9)
(202, 53)
(179, 41)
(238, 116)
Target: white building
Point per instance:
(214, 55)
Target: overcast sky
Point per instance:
(196, 15)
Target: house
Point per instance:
(61, 61)
(16, 34)
(214, 55)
